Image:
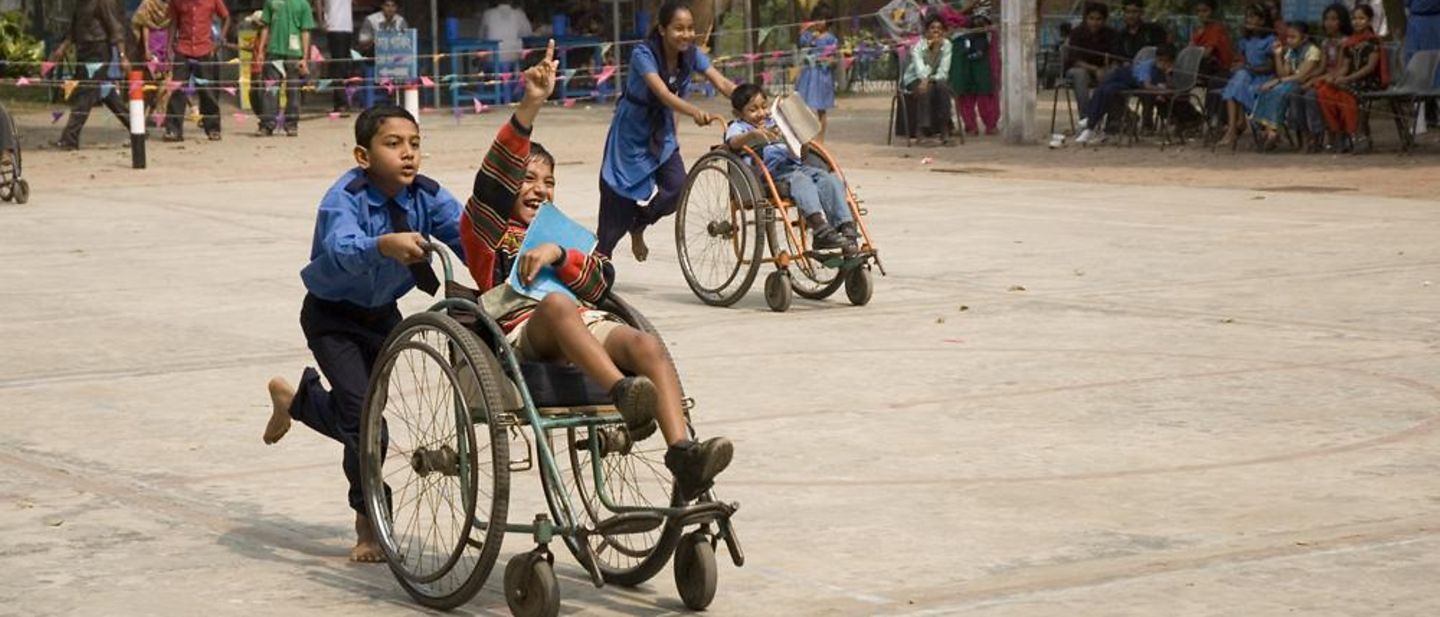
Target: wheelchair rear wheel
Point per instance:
(719, 228)
(442, 526)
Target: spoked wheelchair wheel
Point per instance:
(436, 490)
(628, 550)
(719, 227)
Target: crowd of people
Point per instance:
(1306, 79)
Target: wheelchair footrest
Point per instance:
(706, 512)
(630, 523)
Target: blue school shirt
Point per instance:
(1257, 49)
(776, 155)
(634, 148)
(1145, 71)
(345, 260)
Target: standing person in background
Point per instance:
(96, 27)
(194, 54)
(336, 17)
(817, 79)
(971, 79)
(387, 19)
(1089, 53)
(507, 24)
(285, 27)
(641, 174)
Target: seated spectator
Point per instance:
(1305, 117)
(1258, 65)
(1142, 75)
(1363, 69)
(926, 82)
(1212, 35)
(1089, 52)
(1136, 33)
(1296, 62)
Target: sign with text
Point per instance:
(395, 55)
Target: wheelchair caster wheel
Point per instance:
(22, 191)
(777, 291)
(531, 588)
(695, 570)
(857, 286)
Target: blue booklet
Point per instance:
(550, 226)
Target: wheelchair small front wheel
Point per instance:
(696, 575)
(531, 589)
(777, 291)
(858, 287)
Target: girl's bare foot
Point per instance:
(637, 245)
(367, 548)
(281, 395)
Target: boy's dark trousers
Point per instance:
(204, 68)
(88, 93)
(290, 80)
(346, 340)
(340, 65)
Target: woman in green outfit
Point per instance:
(972, 76)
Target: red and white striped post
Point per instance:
(137, 120)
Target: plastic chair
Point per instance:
(1416, 85)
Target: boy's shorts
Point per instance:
(599, 323)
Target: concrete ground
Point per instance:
(1064, 399)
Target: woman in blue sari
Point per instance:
(1295, 63)
(642, 174)
(1257, 51)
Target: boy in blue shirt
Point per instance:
(1143, 75)
(819, 194)
(367, 253)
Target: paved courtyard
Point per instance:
(1065, 399)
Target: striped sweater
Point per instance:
(492, 238)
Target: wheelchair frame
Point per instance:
(530, 584)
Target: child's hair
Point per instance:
(1261, 12)
(1343, 14)
(1165, 51)
(933, 18)
(1135, 3)
(1097, 7)
(667, 13)
(1367, 10)
(1301, 27)
(538, 151)
(368, 124)
(743, 94)
(822, 12)
(1214, 6)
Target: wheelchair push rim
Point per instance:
(718, 228)
(449, 484)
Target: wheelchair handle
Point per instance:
(437, 248)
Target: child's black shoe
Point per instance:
(696, 465)
(848, 230)
(637, 399)
(822, 235)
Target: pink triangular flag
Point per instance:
(315, 55)
(46, 67)
(569, 102)
(354, 80)
(154, 67)
(22, 81)
(270, 83)
(849, 62)
(605, 73)
(388, 86)
(240, 116)
(334, 115)
(158, 119)
(426, 81)
(230, 90)
(504, 78)
(479, 107)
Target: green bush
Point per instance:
(20, 52)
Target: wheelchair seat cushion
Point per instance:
(562, 385)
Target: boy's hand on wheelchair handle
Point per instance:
(406, 248)
(705, 119)
(539, 257)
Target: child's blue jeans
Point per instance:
(817, 190)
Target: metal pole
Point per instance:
(1017, 67)
(434, 50)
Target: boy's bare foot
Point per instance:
(281, 395)
(367, 548)
(637, 245)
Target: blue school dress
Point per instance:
(817, 79)
(642, 133)
(1244, 86)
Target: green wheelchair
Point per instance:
(448, 404)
